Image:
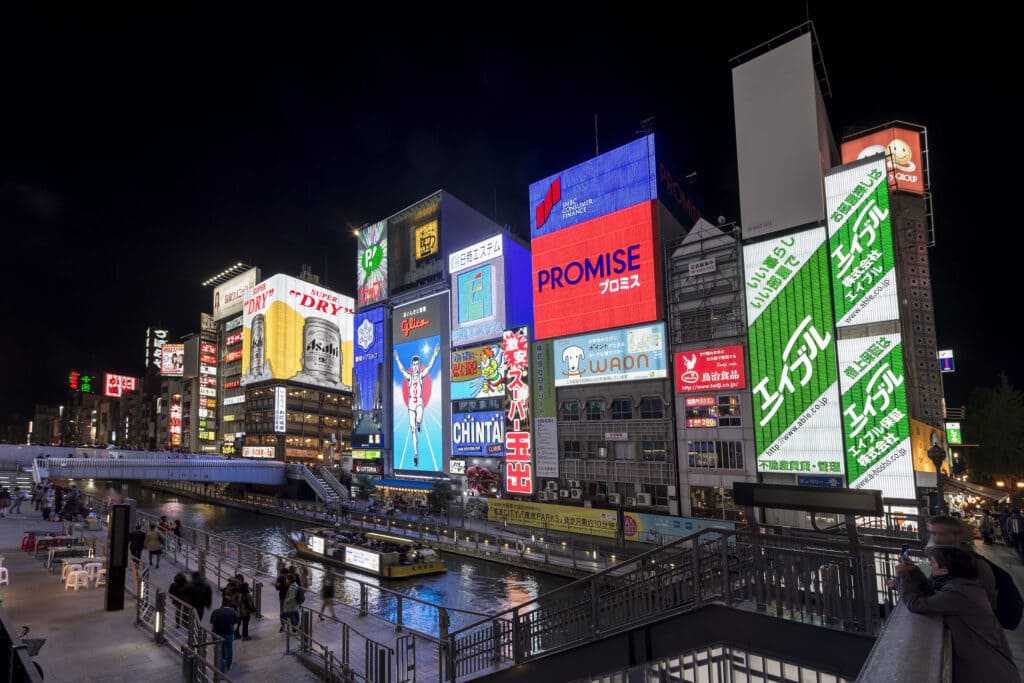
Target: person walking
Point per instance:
(179, 590)
(136, 542)
(200, 594)
(222, 622)
(154, 544)
(1015, 531)
(5, 501)
(281, 585)
(47, 502)
(244, 605)
(292, 599)
(327, 595)
(19, 498)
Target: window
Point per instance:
(571, 449)
(654, 451)
(597, 450)
(595, 410)
(701, 411)
(570, 411)
(659, 494)
(622, 409)
(729, 411)
(715, 454)
(652, 408)
(625, 450)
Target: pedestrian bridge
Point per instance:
(99, 463)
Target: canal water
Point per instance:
(469, 584)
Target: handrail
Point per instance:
(911, 647)
(339, 488)
(321, 491)
(15, 663)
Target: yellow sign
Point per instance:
(426, 240)
(554, 517)
(923, 437)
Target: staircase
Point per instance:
(327, 495)
(16, 475)
(332, 481)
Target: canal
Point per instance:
(469, 584)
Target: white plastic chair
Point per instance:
(4, 578)
(68, 568)
(91, 568)
(101, 578)
(77, 579)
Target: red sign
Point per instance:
(412, 323)
(700, 401)
(598, 274)
(232, 384)
(233, 338)
(710, 369)
(518, 455)
(206, 348)
(115, 385)
(702, 422)
(902, 150)
(232, 356)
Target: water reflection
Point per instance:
(470, 584)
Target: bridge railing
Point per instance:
(829, 583)
(154, 468)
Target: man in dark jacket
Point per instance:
(136, 541)
(200, 594)
(222, 621)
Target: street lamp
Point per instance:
(937, 454)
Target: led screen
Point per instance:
(611, 356)
(714, 369)
(368, 379)
(480, 433)
(478, 372)
(372, 273)
(901, 149)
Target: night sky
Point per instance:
(146, 150)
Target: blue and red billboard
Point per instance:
(368, 385)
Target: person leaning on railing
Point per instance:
(980, 649)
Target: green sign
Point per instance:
(953, 437)
(860, 244)
(793, 355)
(875, 416)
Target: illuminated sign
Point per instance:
(233, 400)
(483, 477)
(233, 324)
(228, 297)
(901, 150)
(372, 273)
(797, 419)
(207, 326)
(478, 301)
(457, 466)
(316, 544)
(953, 437)
(206, 381)
(597, 275)
(616, 436)
(696, 416)
(474, 255)
(363, 559)
(366, 455)
(155, 339)
(861, 244)
(946, 363)
(280, 410)
(172, 360)
(207, 391)
(480, 433)
(233, 339)
(298, 331)
(81, 382)
(258, 452)
(232, 384)
(174, 421)
(876, 421)
(232, 356)
(590, 521)
(700, 401)
(518, 453)
(419, 385)
(478, 372)
(363, 467)
(427, 243)
(115, 385)
(714, 369)
(544, 370)
(611, 356)
(643, 527)
(368, 384)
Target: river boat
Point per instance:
(382, 555)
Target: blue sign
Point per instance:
(368, 379)
(946, 363)
(481, 433)
(622, 355)
(616, 180)
(821, 482)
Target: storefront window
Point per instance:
(713, 502)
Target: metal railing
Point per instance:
(16, 665)
(238, 471)
(332, 481)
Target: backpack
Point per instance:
(300, 595)
(1009, 603)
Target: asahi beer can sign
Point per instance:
(295, 330)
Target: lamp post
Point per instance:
(937, 454)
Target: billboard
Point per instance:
(922, 438)
(478, 372)
(372, 273)
(518, 451)
(262, 452)
(115, 385)
(953, 435)
(861, 244)
(900, 147)
(545, 442)
(481, 433)
(946, 363)
(783, 139)
(611, 356)
(543, 380)
(155, 339)
(597, 275)
(793, 355)
(419, 385)
(368, 379)
(414, 245)
(478, 292)
(647, 528)
(590, 521)
(172, 360)
(298, 331)
(875, 416)
(174, 421)
(229, 297)
(716, 369)
(83, 382)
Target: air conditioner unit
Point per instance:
(574, 484)
(643, 498)
(577, 494)
(564, 493)
(614, 498)
(631, 501)
(544, 495)
(551, 486)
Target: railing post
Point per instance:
(306, 636)
(595, 617)
(697, 592)
(158, 617)
(258, 598)
(443, 623)
(201, 561)
(398, 624)
(363, 600)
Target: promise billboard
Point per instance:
(298, 331)
(861, 244)
(797, 421)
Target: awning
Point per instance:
(404, 484)
(976, 489)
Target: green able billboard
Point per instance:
(953, 437)
(875, 416)
(860, 243)
(797, 422)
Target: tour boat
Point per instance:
(383, 555)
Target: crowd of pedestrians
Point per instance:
(54, 503)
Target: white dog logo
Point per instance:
(571, 356)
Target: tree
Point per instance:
(995, 421)
(366, 486)
(438, 497)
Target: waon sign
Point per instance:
(714, 369)
(518, 454)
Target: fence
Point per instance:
(16, 665)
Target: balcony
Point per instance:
(625, 471)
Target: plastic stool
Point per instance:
(68, 568)
(4, 581)
(101, 578)
(76, 580)
(91, 568)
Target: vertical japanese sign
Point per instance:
(280, 410)
(518, 455)
(372, 273)
(174, 423)
(793, 355)
(875, 416)
(860, 244)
